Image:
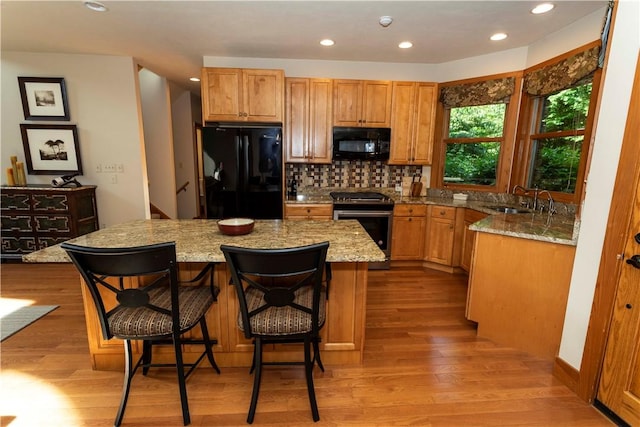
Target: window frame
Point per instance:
(530, 116)
(507, 141)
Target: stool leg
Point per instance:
(207, 344)
(257, 357)
(177, 345)
(308, 367)
(128, 374)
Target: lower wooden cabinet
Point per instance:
(35, 217)
(518, 291)
(468, 237)
(441, 235)
(407, 236)
(299, 211)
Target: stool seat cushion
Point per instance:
(284, 320)
(129, 323)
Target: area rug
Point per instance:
(13, 322)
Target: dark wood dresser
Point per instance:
(38, 216)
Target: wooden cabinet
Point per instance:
(518, 292)
(407, 236)
(35, 217)
(468, 237)
(242, 95)
(308, 130)
(441, 235)
(298, 211)
(362, 103)
(412, 123)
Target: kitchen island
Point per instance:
(198, 243)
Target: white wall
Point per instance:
(616, 93)
(103, 104)
(184, 151)
(158, 141)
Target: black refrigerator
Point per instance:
(242, 168)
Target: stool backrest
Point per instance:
(278, 274)
(107, 272)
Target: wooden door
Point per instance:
(297, 123)
(221, 94)
(320, 127)
(402, 113)
(263, 95)
(619, 387)
(424, 123)
(347, 99)
(376, 104)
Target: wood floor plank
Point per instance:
(423, 365)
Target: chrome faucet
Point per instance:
(524, 191)
(552, 204)
(519, 187)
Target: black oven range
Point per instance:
(374, 211)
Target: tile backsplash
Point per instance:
(354, 173)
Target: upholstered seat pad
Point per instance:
(145, 322)
(284, 320)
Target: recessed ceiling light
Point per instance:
(405, 45)
(95, 6)
(542, 8)
(194, 79)
(327, 42)
(498, 36)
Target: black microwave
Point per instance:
(361, 143)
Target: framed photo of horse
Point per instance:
(44, 98)
(51, 149)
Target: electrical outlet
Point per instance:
(114, 179)
(399, 188)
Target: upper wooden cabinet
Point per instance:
(242, 95)
(308, 134)
(362, 103)
(412, 123)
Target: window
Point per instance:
(558, 139)
(472, 144)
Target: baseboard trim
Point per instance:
(566, 374)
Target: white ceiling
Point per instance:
(171, 37)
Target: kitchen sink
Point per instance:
(508, 209)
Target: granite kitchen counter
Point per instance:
(559, 228)
(199, 240)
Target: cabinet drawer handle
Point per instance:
(443, 212)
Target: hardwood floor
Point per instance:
(423, 366)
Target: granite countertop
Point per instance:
(199, 240)
(562, 229)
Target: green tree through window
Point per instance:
(473, 144)
(557, 146)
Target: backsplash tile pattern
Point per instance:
(344, 174)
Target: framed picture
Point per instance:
(51, 149)
(44, 98)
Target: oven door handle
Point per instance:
(354, 214)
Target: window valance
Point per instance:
(561, 75)
(496, 91)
